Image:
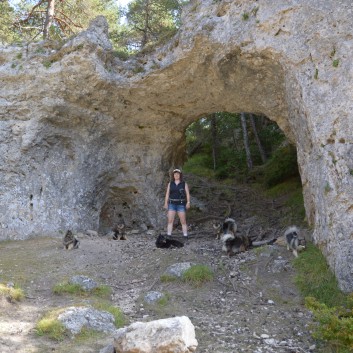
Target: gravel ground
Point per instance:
(251, 305)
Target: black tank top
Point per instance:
(177, 192)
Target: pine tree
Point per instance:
(151, 20)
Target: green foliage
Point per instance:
(27, 18)
(163, 301)
(14, 293)
(119, 318)
(197, 275)
(315, 279)
(122, 54)
(231, 157)
(101, 291)
(316, 74)
(86, 335)
(335, 62)
(327, 188)
(168, 278)
(335, 325)
(51, 327)
(7, 33)
(331, 308)
(47, 64)
(199, 164)
(282, 165)
(296, 203)
(245, 16)
(138, 70)
(150, 21)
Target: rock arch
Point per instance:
(86, 137)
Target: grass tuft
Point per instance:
(315, 279)
(168, 278)
(14, 293)
(101, 291)
(335, 63)
(51, 327)
(119, 318)
(198, 274)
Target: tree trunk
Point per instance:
(49, 18)
(258, 142)
(146, 24)
(246, 141)
(214, 140)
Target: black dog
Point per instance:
(164, 242)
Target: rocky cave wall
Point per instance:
(87, 139)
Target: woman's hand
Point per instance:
(187, 205)
(165, 206)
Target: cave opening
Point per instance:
(245, 148)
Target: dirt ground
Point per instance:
(251, 305)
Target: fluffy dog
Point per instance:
(292, 239)
(70, 242)
(217, 226)
(233, 243)
(165, 242)
(119, 232)
(229, 225)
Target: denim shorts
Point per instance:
(176, 208)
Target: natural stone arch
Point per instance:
(90, 133)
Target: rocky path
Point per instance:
(251, 305)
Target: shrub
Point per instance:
(335, 325)
(331, 308)
(282, 165)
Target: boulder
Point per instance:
(172, 335)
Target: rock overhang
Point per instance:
(90, 137)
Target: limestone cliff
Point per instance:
(87, 138)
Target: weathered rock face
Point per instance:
(87, 139)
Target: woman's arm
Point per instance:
(187, 196)
(167, 197)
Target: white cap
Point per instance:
(177, 171)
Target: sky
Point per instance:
(123, 2)
(120, 2)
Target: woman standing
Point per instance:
(177, 200)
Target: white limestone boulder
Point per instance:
(172, 335)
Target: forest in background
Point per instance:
(141, 24)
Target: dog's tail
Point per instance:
(293, 231)
(229, 225)
(256, 244)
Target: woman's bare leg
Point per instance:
(171, 216)
(182, 217)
